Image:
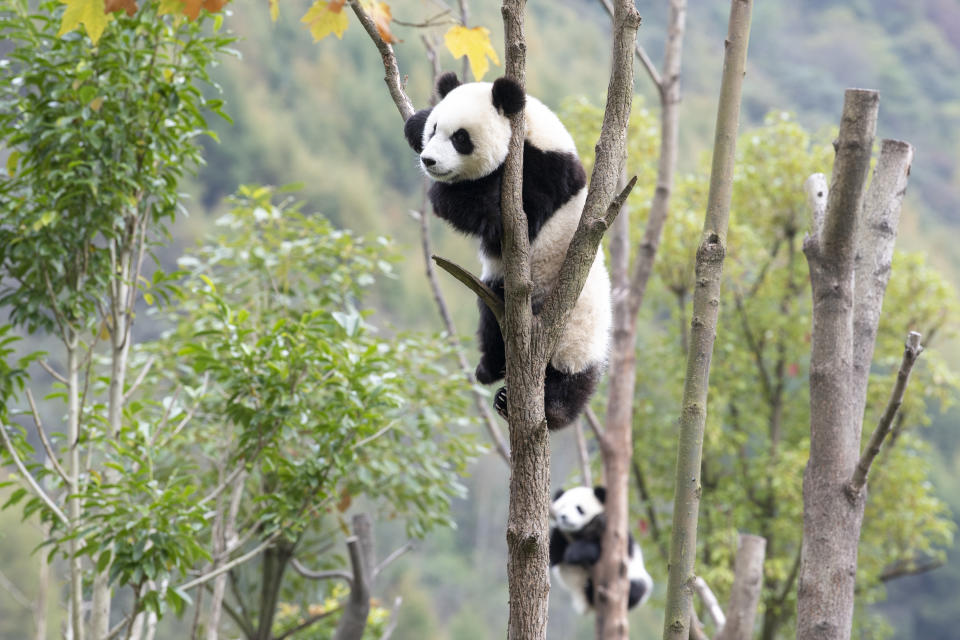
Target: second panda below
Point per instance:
(462, 143)
(579, 521)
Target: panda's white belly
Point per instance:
(585, 340)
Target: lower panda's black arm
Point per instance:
(558, 546)
(583, 553)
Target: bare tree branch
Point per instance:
(710, 255)
(229, 565)
(817, 192)
(911, 351)
(306, 623)
(30, 480)
(396, 553)
(910, 567)
(136, 383)
(745, 592)
(15, 594)
(394, 619)
(51, 456)
(642, 56)
(51, 371)
(475, 284)
(341, 574)
(392, 78)
(583, 456)
(709, 600)
(876, 236)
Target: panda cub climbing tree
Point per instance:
(578, 524)
(462, 143)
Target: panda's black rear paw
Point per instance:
(484, 375)
(500, 402)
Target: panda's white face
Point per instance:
(575, 508)
(465, 136)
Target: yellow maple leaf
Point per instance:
(325, 18)
(380, 12)
(274, 9)
(90, 13)
(473, 43)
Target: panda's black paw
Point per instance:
(485, 375)
(500, 402)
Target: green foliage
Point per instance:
(291, 384)
(97, 137)
(318, 405)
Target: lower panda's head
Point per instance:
(465, 137)
(574, 509)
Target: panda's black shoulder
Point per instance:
(550, 179)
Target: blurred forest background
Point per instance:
(319, 115)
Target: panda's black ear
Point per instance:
(558, 493)
(446, 83)
(413, 129)
(508, 97)
(601, 494)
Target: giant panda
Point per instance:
(578, 524)
(462, 143)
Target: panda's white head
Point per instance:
(574, 509)
(465, 137)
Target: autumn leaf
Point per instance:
(214, 6)
(381, 15)
(345, 500)
(191, 9)
(473, 43)
(325, 18)
(274, 9)
(90, 13)
(130, 6)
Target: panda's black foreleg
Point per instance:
(558, 545)
(567, 394)
(582, 553)
(493, 358)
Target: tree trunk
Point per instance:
(849, 260)
(828, 564)
(612, 586)
(74, 471)
(357, 609)
(706, 302)
(275, 560)
(745, 592)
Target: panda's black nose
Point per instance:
(427, 162)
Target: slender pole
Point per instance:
(706, 303)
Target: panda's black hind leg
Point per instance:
(566, 394)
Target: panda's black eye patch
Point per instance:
(434, 132)
(461, 142)
(580, 510)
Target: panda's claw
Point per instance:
(500, 402)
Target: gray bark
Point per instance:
(706, 302)
(617, 439)
(357, 609)
(831, 521)
(747, 585)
